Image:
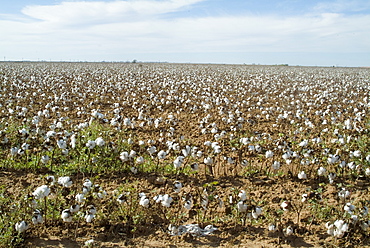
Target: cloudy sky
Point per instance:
(295, 32)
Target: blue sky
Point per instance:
(295, 32)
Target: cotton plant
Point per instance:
(65, 181)
(177, 186)
(302, 175)
(144, 201)
(41, 192)
(37, 217)
(337, 229)
(90, 213)
(21, 226)
(165, 200)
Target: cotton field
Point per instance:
(190, 154)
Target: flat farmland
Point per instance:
(183, 155)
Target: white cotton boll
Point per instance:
(351, 165)
(303, 143)
(62, 144)
(344, 193)
(349, 208)
(152, 150)
(87, 183)
(91, 209)
(331, 177)
(276, 165)
(65, 152)
(65, 181)
(80, 198)
(244, 141)
(176, 147)
(89, 217)
(166, 201)
(41, 192)
(140, 160)
(100, 142)
(89, 243)
(177, 186)
(304, 197)
(242, 207)
(162, 154)
(289, 231)
(341, 228)
(132, 154)
(14, 151)
(37, 217)
(124, 156)
(339, 224)
(302, 175)
(59, 125)
(344, 227)
(74, 208)
(368, 158)
(330, 228)
(25, 146)
(133, 170)
(230, 161)
(258, 210)
(21, 226)
(242, 195)
(321, 171)
(244, 162)
(101, 194)
(258, 148)
(357, 153)
(286, 155)
(271, 227)
(158, 198)
(217, 149)
(208, 229)
(45, 159)
(367, 172)
(269, 154)
(91, 144)
(178, 162)
(285, 205)
(144, 202)
(66, 215)
(188, 204)
(50, 134)
(208, 143)
(208, 161)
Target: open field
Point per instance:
(183, 155)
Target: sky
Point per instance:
(294, 32)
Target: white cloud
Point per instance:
(343, 6)
(82, 30)
(76, 13)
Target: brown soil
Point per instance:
(271, 191)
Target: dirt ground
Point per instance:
(269, 190)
